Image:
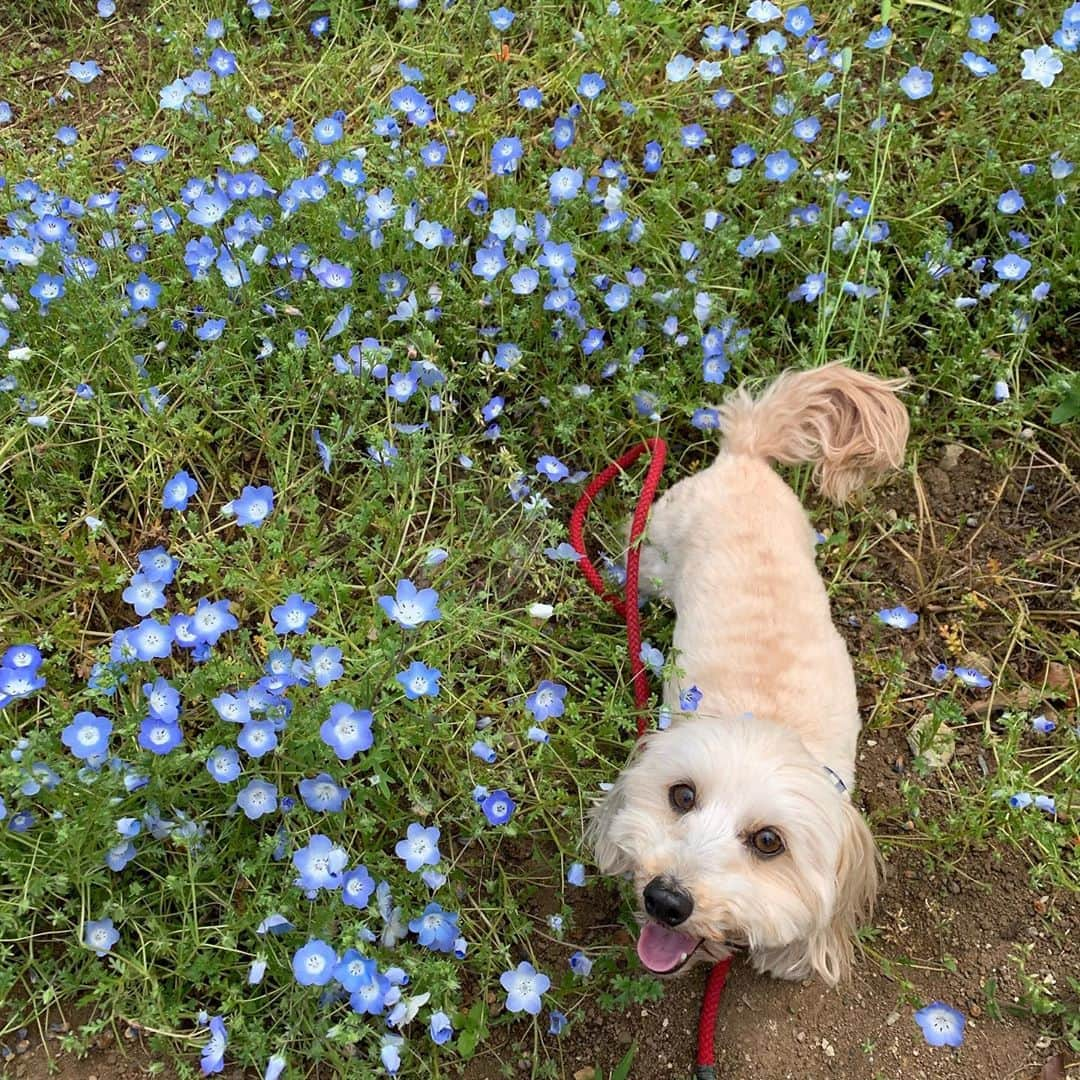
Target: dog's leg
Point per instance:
(660, 545)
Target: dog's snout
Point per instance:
(667, 903)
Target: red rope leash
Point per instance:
(628, 609)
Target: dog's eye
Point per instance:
(767, 842)
(682, 797)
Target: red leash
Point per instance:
(628, 609)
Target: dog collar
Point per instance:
(835, 778)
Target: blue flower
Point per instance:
(564, 184)
(546, 700)
(982, 27)
(580, 964)
(178, 489)
(253, 507)
(972, 678)
(150, 640)
(1041, 65)
(879, 38)
(763, 11)
(84, 71)
(158, 565)
(257, 737)
(498, 807)
(144, 594)
(1010, 202)
(419, 848)
(213, 1053)
(328, 130)
(484, 752)
(551, 468)
(1043, 725)
(440, 1029)
(461, 101)
(292, 616)
(87, 735)
(940, 673)
(353, 971)
(313, 964)
(591, 85)
(410, 607)
(323, 794)
(780, 166)
(436, 929)
(1012, 267)
(505, 155)
(576, 875)
(501, 18)
(941, 1024)
(418, 680)
(799, 21)
(25, 658)
(370, 996)
(899, 618)
(257, 799)
(356, 888)
(320, 865)
(556, 1022)
(162, 699)
(159, 736)
(211, 620)
(100, 935)
(326, 664)
(347, 731)
(978, 65)
(524, 986)
(679, 68)
(917, 83)
(223, 764)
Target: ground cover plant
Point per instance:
(313, 319)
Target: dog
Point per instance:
(736, 824)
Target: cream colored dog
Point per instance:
(736, 824)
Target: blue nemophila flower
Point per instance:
(972, 678)
(917, 83)
(143, 293)
(150, 640)
(1010, 202)
(253, 506)
(679, 68)
(347, 731)
(26, 658)
(411, 607)
(323, 794)
(257, 737)
(440, 1029)
(210, 620)
(941, 1024)
(899, 618)
(178, 490)
(551, 468)
(162, 699)
(274, 924)
(576, 875)
(546, 700)
(530, 98)
(356, 887)
(436, 929)
(580, 964)
(505, 155)
(524, 986)
(212, 1059)
(159, 736)
(564, 184)
(418, 680)
(498, 807)
(879, 38)
(484, 752)
(320, 865)
(978, 65)
(353, 971)
(1041, 65)
(87, 735)
(556, 1022)
(232, 708)
(983, 27)
(328, 130)
(780, 166)
(84, 71)
(1012, 267)
(799, 21)
(326, 664)
(1021, 800)
(419, 848)
(293, 615)
(257, 799)
(763, 11)
(501, 18)
(158, 565)
(1043, 725)
(313, 964)
(591, 85)
(807, 129)
(100, 935)
(223, 764)
(144, 594)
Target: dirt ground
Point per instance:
(945, 933)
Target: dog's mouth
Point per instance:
(663, 950)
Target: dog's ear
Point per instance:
(609, 857)
(830, 951)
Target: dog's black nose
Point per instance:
(666, 903)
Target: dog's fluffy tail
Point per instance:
(851, 425)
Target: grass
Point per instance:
(244, 409)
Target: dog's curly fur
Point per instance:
(733, 550)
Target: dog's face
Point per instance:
(734, 836)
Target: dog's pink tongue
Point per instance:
(661, 949)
